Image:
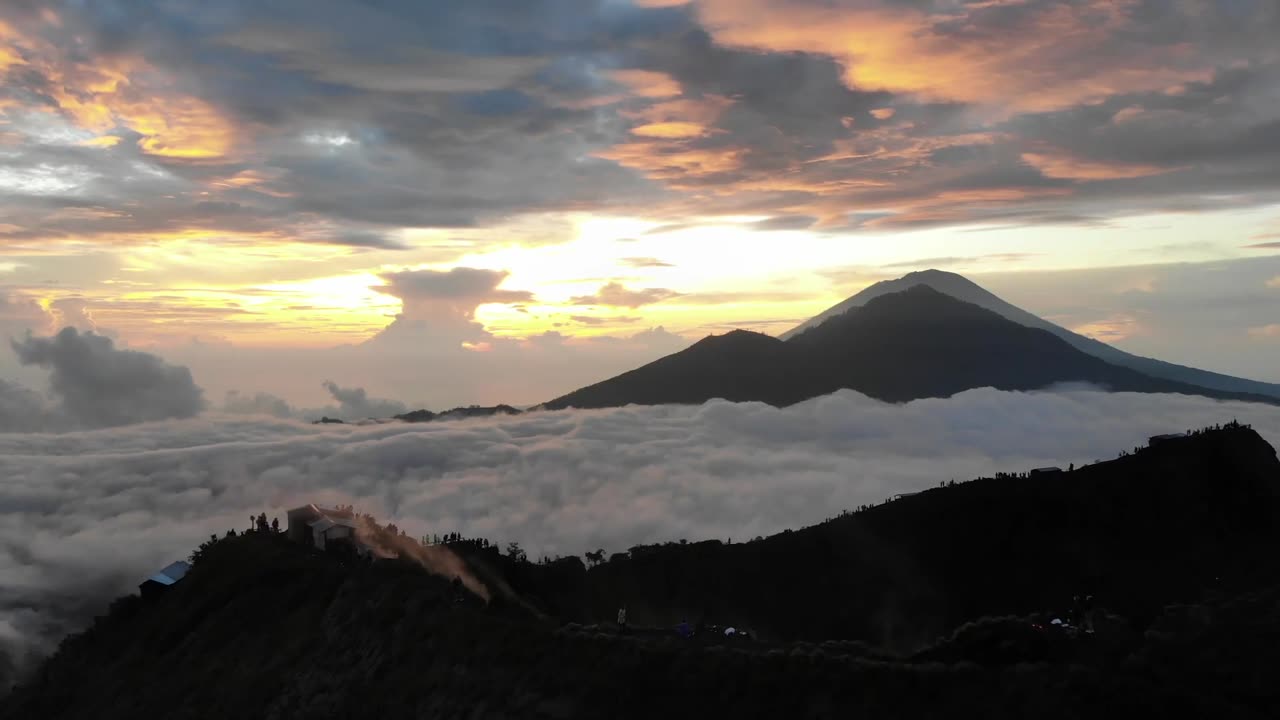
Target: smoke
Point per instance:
(85, 516)
(437, 559)
(99, 386)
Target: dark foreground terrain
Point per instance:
(935, 605)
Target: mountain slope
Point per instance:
(962, 288)
(923, 343)
(899, 346)
(1153, 527)
(740, 366)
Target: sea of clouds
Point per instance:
(85, 516)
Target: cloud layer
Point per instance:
(85, 516)
(268, 123)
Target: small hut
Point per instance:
(163, 580)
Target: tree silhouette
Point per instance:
(515, 552)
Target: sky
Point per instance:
(482, 201)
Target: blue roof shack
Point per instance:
(171, 574)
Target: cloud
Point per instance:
(355, 403)
(615, 294)
(85, 516)
(468, 285)
(1264, 246)
(606, 320)
(954, 260)
(98, 385)
(1067, 167)
(786, 222)
(1035, 55)
(260, 403)
(20, 314)
(22, 409)
(438, 306)
(644, 262)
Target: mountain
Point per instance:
(961, 288)
(1157, 525)
(934, 605)
(458, 413)
(897, 346)
(739, 366)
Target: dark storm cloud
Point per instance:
(98, 385)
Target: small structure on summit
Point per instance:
(325, 528)
(1046, 470)
(1155, 440)
(171, 574)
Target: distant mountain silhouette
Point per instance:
(898, 346)
(458, 413)
(962, 288)
(740, 366)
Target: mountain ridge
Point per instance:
(898, 346)
(965, 289)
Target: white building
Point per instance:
(324, 528)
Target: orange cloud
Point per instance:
(179, 127)
(704, 111)
(671, 162)
(1060, 165)
(662, 151)
(669, 130)
(1112, 329)
(9, 47)
(647, 83)
(1052, 56)
(1266, 331)
(111, 94)
(102, 141)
